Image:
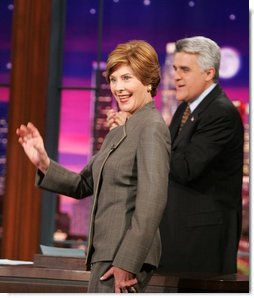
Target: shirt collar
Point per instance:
(197, 101)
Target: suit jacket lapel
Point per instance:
(208, 99)
(120, 135)
(175, 122)
(192, 120)
(187, 128)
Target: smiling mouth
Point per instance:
(123, 98)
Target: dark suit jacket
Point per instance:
(201, 226)
(128, 178)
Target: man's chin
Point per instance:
(179, 98)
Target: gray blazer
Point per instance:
(128, 178)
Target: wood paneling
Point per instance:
(28, 98)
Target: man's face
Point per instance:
(190, 79)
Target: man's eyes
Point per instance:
(182, 69)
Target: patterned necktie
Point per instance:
(185, 116)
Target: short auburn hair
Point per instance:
(141, 57)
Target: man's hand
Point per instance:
(124, 280)
(115, 119)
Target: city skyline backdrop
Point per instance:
(157, 21)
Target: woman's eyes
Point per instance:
(124, 78)
(112, 80)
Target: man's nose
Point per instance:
(176, 75)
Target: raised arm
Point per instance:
(33, 145)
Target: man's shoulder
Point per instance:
(224, 104)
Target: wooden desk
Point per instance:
(34, 279)
(30, 279)
(198, 283)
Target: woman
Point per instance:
(128, 177)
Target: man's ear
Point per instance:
(210, 74)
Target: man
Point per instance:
(201, 226)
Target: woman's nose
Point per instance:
(119, 86)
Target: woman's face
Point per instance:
(129, 92)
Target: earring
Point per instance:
(149, 88)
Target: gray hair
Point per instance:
(208, 52)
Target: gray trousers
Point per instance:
(107, 286)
